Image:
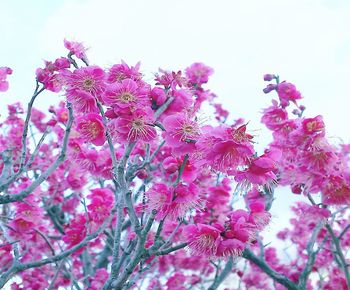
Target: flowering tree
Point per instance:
(125, 186)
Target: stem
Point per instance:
(8, 198)
(281, 279)
(340, 254)
(220, 278)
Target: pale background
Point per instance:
(305, 41)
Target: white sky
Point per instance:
(305, 41)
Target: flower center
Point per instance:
(88, 84)
(126, 97)
(138, 124)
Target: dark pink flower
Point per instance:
(181, 132)
(88, 79)
(120, 72)
(127, 94)
(201, 239)
(91, 128)
(336, 191)
(136, 126)
(287, 92)
(159, 197)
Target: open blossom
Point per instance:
(182, 132)
(172, 202)
(261, 169)
(127, 94)
(201, 239)
(225, 148)
(76, 48)
(287, 92)
(4, 72)
(91, 128)
(136, 126)
(101, 203)
(182, 100)
(120, 72)
(88, 79)
(76, 231)
(198, 73)
(159, 197)
(336, 190)
(274, 117)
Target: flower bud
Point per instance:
(269, 77)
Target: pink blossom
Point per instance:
(127, 94)
(4, 72)
(159, 198)
(201, 239)
(336, 190)
(224, 148)
(274, 117)
(198, 73)
(120, 72)
(101, 204)
(158, 96)
(261, 169)
(76, 48)
(181, 132)
(88, 79)
(287, 92)
(136, 126)
(91, 128)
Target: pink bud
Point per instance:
(158, 95)
(170, 165)
(269, 77)
(269, 88)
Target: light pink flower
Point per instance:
(4, 72)
(76, 48)
(198, 73)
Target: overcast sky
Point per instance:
(304, 41)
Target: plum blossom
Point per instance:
(4, 72)
(91, 128)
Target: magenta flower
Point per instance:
(261, 169)
(136, 126)
(127, 94)
(83, 102)
(181, 132)
(88, 79)
(120, 72)
(159, 197)
(274, 117)
(91, 128)
(229, 247)
(224, 148)
(4, 72)
(201, 239)
(185, 197)
(336, 190)
(287, 92)
(198, 73)
(101, 204)
(76, 48)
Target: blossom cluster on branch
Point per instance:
(125, 185)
